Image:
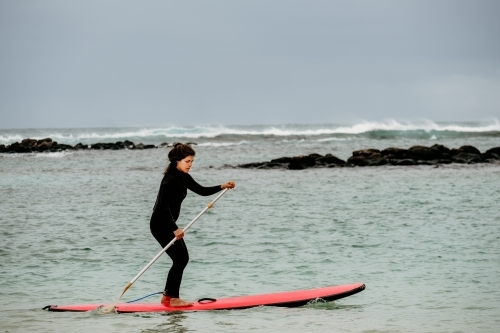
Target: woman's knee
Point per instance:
(184, 259)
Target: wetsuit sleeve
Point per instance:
(198, 189)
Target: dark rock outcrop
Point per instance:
(416, 155)
(47, 145)
(424, 153)
(467, 158)
(366, 157)
(469, 150)
(394, 153)
(494, 151)
(302, 162)
(80, 146)
(329, 160)
(298, 162)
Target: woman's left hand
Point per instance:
(229, 184)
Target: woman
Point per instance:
(173, 190)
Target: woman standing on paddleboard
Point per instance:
(173, 190)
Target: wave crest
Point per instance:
(198, 132)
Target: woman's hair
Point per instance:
(178, 152)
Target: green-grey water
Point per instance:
(424, 240)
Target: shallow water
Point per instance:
(424, 240)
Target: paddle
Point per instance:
(111, 308)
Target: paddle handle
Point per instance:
(210, 205)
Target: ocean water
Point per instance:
(424, 240)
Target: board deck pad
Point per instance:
(286, 299)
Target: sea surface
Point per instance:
(74, 228)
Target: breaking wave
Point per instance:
(382, 129)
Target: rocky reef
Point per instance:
(416, 155)
(48, 145)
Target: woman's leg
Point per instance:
(180, 257)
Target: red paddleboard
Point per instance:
(287, 299)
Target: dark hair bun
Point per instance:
(179, 152)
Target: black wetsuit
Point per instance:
(173, 190)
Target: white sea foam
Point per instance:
(10, 138)
(424, 125)
(332, 139)
(57, 154)
(176, 132)
(221, 144)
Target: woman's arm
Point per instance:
(198, 189)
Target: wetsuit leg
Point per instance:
(178, 253)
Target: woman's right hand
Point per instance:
(229, 184)
(179, 233)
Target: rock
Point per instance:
(356, 161)
(495, 151)
(16, 147)
(373, 160)
(163, 144)
(39, 142)
(470, 150)
(29, 143)
(424, 153)
(315, 156)
(250, 165)
(406, 162)
(394, 152)
(61, 146)
(282, 160)
(365, 152)
(330, 160)
(128, 144)
(270, 165)
(139, 146)
(441, 148)
(367, 157)
(428, 162)
(489, 157)
(467, 158)
(377, 161)
(45, 144)
(301, 162)
(191, 143)
(2, 149)
(80, 146)
(104, 145)
(445, 151)
(149, 146)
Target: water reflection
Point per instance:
(173, 323)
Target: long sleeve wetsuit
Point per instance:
(173, 190)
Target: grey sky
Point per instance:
(152, 63)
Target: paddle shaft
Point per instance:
(210, 205)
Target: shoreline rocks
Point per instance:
(47, 145)
(416, 155)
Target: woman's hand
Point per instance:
(179, 233)
(229, 184)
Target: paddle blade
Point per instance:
(111, 308)
(105, 309)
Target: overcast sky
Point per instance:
(159, 63)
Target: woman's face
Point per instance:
(185, 164)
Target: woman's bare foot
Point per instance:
(177, 303)
(165, 300)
